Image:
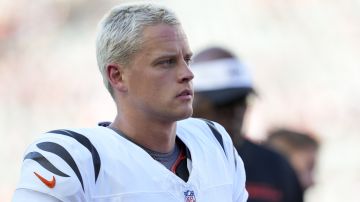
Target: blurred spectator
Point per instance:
(300, 148)
(222, 89)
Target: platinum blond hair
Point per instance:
(120, 33)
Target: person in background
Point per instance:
(153, 150)
(222, 90)
(300, 148)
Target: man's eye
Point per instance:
(167, 62)
(188, 60)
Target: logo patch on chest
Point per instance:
(189, 196)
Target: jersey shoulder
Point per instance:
(209, 131)
(62, 163)
(207, 128)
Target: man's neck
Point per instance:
(154, 135)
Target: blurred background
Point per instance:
(303, 55)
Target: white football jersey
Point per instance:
(97, 164)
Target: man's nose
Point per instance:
(186, 74)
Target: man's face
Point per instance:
(304, 163)
(158, 79)
(231, 116)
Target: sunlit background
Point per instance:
(304, 56)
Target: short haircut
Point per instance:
(290, 140)
(120, 33)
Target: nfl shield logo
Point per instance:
(189, 196)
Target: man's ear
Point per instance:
(115, 74)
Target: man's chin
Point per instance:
(187, 114)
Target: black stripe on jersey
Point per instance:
(62, 153)
(86, 143)
(216, 133)
(36, 156)
(187, 152)
(235, 161)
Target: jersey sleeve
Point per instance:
(54, 167)
(240, 193)
(236, 166)
(32, 196)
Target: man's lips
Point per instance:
(185, 93)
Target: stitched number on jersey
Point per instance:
(189, 196)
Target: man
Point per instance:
(300, 148)
(222, 89)
(152, 151)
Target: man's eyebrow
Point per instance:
(164, 55)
